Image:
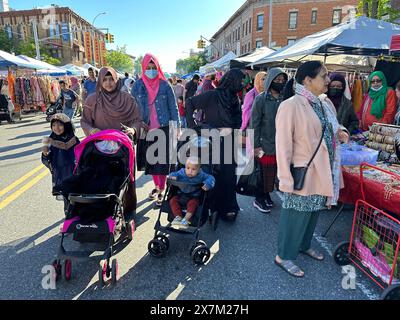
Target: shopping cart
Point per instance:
(375, 239)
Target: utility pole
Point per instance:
(270, 24)
(35, 34)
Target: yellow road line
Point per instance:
(23, 189)
(20, 180)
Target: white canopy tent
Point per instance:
(8, 60)
(75, 70)
(254, 56)
(88, 65)
(44, 68)
(361, 36)
(219, 64)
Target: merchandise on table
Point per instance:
(382, 138)
(353, 154)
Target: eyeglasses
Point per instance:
(376, 81)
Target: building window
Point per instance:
(337, 16)
(247, 28)
(9, 32)
(259, 44)
(243, 30)
(293, 20)
(260, 22)
(250, 30)
(291, 41)
(314, 17)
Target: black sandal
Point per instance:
(153, 195)
(289, 267)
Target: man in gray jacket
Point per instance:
(263, 116)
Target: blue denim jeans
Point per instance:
(69, 112)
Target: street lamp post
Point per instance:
(94, 34)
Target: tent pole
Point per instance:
(325, 56)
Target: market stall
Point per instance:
(361, 36)
(219, 65)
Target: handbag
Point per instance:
(299, 173)
(250, 182)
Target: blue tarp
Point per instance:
(360, 36)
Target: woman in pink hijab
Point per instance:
(158, 108)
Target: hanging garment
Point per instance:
(357, 95)
(19, 93)
(39, 100)
(28, 92)
(11, 86)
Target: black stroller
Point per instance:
(199, 252)
(96, 197)
(54, 108)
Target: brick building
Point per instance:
(248, 28)
(71, 38)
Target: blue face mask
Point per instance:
(151, 74)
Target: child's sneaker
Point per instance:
(177, 221)
(185, 223)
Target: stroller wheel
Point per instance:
(165, 240)
(130, 230)
(157, 248)
(341, 254)
(67, 270)
(198, 243)
(103, 273)
(201, 255)
(57, 267)
(114, 271)
(392, 293)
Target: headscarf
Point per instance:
(338, 100)
(258, 81)
(68, 139)
(74, 82)
(231, 84)
(378, 97)
(116, 104)
(152, 85)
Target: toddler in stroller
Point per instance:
(96, 195)
(189, 193)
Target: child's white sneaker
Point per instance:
(185, 223)
(177, 221)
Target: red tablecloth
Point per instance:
(375, 193)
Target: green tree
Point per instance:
(138, 65)
(5, 43)
(28, 48)
(119, 60)
(191, 64)
(377, 9)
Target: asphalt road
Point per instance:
(241, 266)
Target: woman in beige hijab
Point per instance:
(107, 109)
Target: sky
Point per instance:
(166, 28)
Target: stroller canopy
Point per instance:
(108, 135)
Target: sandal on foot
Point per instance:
(290, 268)
(159, 200)
(314, 254)
(153, 195)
